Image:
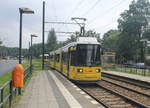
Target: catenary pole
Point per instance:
(43, 29)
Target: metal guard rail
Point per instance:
(143, 69)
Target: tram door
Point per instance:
(68, 61)
(61, 61)
(54, 60)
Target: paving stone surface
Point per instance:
(37, 94)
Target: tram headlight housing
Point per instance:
(98, 70)
(80, 70)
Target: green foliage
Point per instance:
(51, 41)
(72, 38)
(4, 78)
(49, 46)
(130, 25)
(12, 51)
(110, 41)
(0, 43)
(146, 34)
(37, 50)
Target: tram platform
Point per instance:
(49, 89)
(132, 76)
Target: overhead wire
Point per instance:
(54, 8)
(91, 8)
(106, 25)
(72, 11)
(106, 12)
(77, 6)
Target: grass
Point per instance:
(4, 78)
(38, 65)
(130, 71)
(26, 64)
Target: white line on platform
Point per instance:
(88, 97)
(101, 107)
(74, 86)
(94, 102)
(67, 95)
(78, 89)
(82, 92)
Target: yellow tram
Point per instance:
(108, 59)
(79, 61)
(46, 57)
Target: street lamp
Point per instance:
(32, 35)
(22, 11)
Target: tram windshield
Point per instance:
(88, 55)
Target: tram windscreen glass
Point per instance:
(88, 55)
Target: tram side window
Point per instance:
(73, 58)
(57, 57)
(64, 58)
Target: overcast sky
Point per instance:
(101, 16)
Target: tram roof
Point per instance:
(80, 40)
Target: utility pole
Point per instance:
(82, 25)
(43, 37)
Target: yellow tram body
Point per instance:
(108, 59)
(46, 57)
(79, 61)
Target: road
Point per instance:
(7, 66)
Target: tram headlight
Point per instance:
(80, 70)
(98, 70)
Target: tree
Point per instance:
(37, 50)
(51, 41)
(12, 51)
(0, 42)
(130, 25)
(110, 41)
(72, 38)
(146, 34)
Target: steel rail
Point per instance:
(135, 82)
(114, 93)
(127, 88)
(132, 101)
(101, 102)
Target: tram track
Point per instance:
(134, 96)
(135, 82)
(112, 93)
(130, 87)
(140, 87)
(119, 92)
(110, 98)
(136, 91)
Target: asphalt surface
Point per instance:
(7, 66)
